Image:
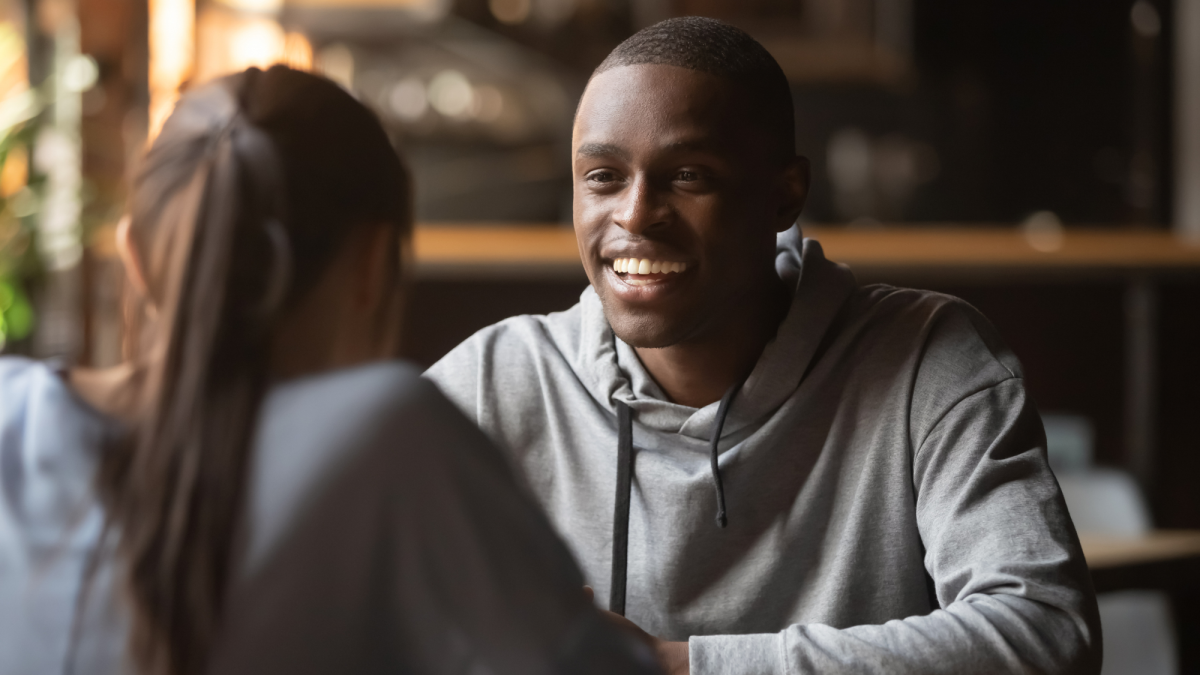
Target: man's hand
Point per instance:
(672, 656)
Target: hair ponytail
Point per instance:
(212, 207)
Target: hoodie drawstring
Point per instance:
(620, 546)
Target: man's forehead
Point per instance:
(680, 109)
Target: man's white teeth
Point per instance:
(644, 266)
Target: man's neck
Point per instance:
(698, 372)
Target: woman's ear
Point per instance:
(381, 286)
(128, 253)
(376, 261)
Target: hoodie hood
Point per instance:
(611, 370)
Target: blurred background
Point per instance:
(1048, 152)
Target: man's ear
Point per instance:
(794, 186)
(135, 271)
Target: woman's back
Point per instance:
(381, 532)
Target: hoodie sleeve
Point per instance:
(1004, 562)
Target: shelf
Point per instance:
(1103, 552)
(542, 251)
(1166, 560)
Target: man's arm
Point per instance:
(1006, 567)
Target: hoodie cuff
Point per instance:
(761, 654)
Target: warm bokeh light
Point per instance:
(14, 174)
(255, 42)
(510, 11)
(336, 62)
(261, 6)
(13, 68)
(297, 51)
(172, 24)
(172, 55)
(230, 41)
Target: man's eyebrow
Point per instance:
(600, 150)
(700, 145)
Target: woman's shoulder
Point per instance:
(364, 394)
(19, 375)
(364, 406)
(35, 392)
(359, 433)
(30, 390)
(50, 438)
(336, 418)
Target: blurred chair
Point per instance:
(1139, 631)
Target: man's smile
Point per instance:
(645, 280)
(646, 266)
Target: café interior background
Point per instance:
(1040, 117)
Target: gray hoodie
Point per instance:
(890, 506)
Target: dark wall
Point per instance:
(1030, 105)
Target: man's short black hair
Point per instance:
(715, 47)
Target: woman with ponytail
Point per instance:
(259, 487)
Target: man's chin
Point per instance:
(646, 331)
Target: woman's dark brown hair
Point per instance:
(239, 207)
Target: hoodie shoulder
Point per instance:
(506, 353)
(943, 324)
(945, 348)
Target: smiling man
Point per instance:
(763, 465)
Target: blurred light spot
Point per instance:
(15, 174)
(511, 12)
(489, 103)
(258, 6)
(172, 48)
(1044, 232)
(257, 42)
(57, 155)
(297, 51)
(407, 99)
(552, 13)
(450, 94)
(80, 73)
(1145, 19)
(849, 159)
(337, 63)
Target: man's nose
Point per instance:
(642, 208)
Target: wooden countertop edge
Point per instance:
(909, 248)
(1103, 552)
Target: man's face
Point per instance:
(670, 167)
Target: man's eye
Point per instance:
(600, 177)
(688, 176)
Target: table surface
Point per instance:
(532, 248)
(1106, 552)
